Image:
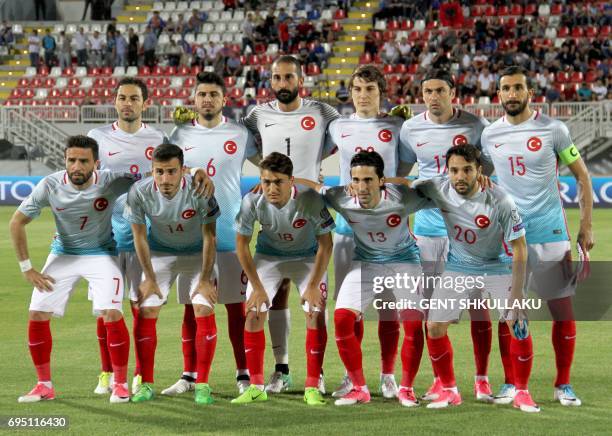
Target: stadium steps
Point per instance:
(13, 66)
(135, 13)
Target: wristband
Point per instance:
(25, 265)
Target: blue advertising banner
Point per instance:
(14, 189)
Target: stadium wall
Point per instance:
(14, 189)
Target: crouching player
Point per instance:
(378, 216)
(181, 240)
(294, 242)
(81, 200)
(478, 220)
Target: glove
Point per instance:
(182, 115)
(402, 110)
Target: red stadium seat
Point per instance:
(388, 35)
(80, 93)
(501, 11)
(591, 76)
(144, 71)
(74, 83)
(260, 48)
(68, 72)
(477, 11)
(170, 93)
(511, 23)
(490, 11)
(540, 99)
(230, 81)
(184, 93)
(170, 71)
(469, 99)
(243, 59)
(157, 71)
(95, 71)
(406, 24)
(563, 32)
(23, 82)
(266, 59)
(43, 71)
(530, 9)
(156, 93)
(93, 92)
(577, 32)
(189, 82)
(235, 93)
(67, 93)
(336, 26)
(183, 70)
(365, 58)
(495, 99)
(106, 71)
(99, 82)
(576, 77)
(340, 14)
(36, 82)
(112, 82)
(592, 32)
(313, 70)
(253, 59)
(516, 9)
(16, 93)
(263, 93)
(562, 77)
(401, 69)
(165, 102)
(151, 82)
(393, 25)
(304, 92)
(456, 100)
(605, 31)
(556, 9)
(55, 93)
(163, 82)
(413, 68)
(49, 82)
(388, 69)
(195, 70)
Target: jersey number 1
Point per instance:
(288, 142)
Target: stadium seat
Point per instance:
(80, 72)
(61, 83)
(44, 71)
(163, 82)
(144, 71)
(41, 93)
(530, 9)
(86, 82)
(563, 32)
(313, 70)
(590, 76)
(30, 72)
(68, 72)
(74, 82)
(99, 82)
(49, 82)
(119, 72)
(339, 14)
(469, 99)
(229, 81)
(131, 71)
(189, 82)
(516, 9)
(55, 72)
(556, 9)
(576, 77)
(543, 10)
(577, 32)
(176, 82)
(107, 71)
(562, 77)
(36, 82)
(592, 32)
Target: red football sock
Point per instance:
(412, 350)
(433, 369)
(236, 318)
(105, 357)
(481, 340)
(564, 343)
(388, 335)
(119, 348)
(188, 338)
(135, 315)
(206, 342)
(254, 349)
(40, 343)
(146, 343)
(315, 351)
(359, 329)
(504, 337)
(348, 345)
(441, 355)
(522, 360)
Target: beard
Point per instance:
(464, 187)
(286, 96)
(78, 178)
(519, 109)
(209, 116)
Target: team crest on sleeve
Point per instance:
(385, 135)
(308, 123)
(482, 221)
(459, 140)
(299, 223)
(188, 213)
(534, 143)
(230, 147)
(149, 153)
(100, 204)
(394, 220)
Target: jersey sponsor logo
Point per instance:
(420, 144)
(499, 145)
(230, 147)
(188, 213)
(100, 204)
(149, 153)
(344, 135)
(269, 124)
(534, 143)
(482, 221)
(385, 135)
(112, 153)
(308, 123)
(299, 223)
(189, 148)
(394, 220)
(459, 140)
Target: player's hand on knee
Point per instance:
(42, 282)
(314, 298)
(208, 290)
(258, 299)
(147, 288)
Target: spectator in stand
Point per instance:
(6, 35)
(156, 23)
(49, 45)
(121, 48)
(304, 30)
(170, 26)
(270, 27)
(87, 4)
(41, 9)
(552, 94)
(441, 60)
(173, 53)
(544, 80)
(65, 55)
(317, 54)
(110, 49)
(284, 36)
(199, 57)
(479, 60)
(342, 93)
(282, 15)
(80, 44)
(96, 45)
(405, 51)
(486, 83)
(599, 90)
(229, 5)
(181, 24)
(194, 24)
(370, 43)
(252, 78)
(211, 52)
(133, 45)
(34, 48)
(248, 27)
(390, 52)
(233, 67)
(149, 45)
(470, 84)
(585, 93)
(426, 57)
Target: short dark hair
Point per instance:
(277, 163)
(515, 69)
(467, 151)
(166, 152)
(369, 159)
(134, 81)
(369, 73)
(82, 141)
(439, 74)
(289, 59)
(210, 78)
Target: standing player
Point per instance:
(526, 147)
(295, 127)
(181, 240)
(126, 145)
(424, 140)
(479, 221)
(221, 146)
(294, 242)
(384, 246)
(370, 130)
(81, 200)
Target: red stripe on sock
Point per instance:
(206, 343)
(188, 338)
(348, 345)
(441, 355)
(105, 358)
(236, 318)
(146, 343)
(522, 361)
(412, 351)
(135, 315)
(564, 343)
(359, 329)
(315, 352)
(40, 344)
(504, 338)
(388, 336)
(481, 340)
(254, 350)
(119, 348)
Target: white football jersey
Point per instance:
(299, 134)
(222, 151)
(126, 153)
(424, 142)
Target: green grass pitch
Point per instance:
(75, 365)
